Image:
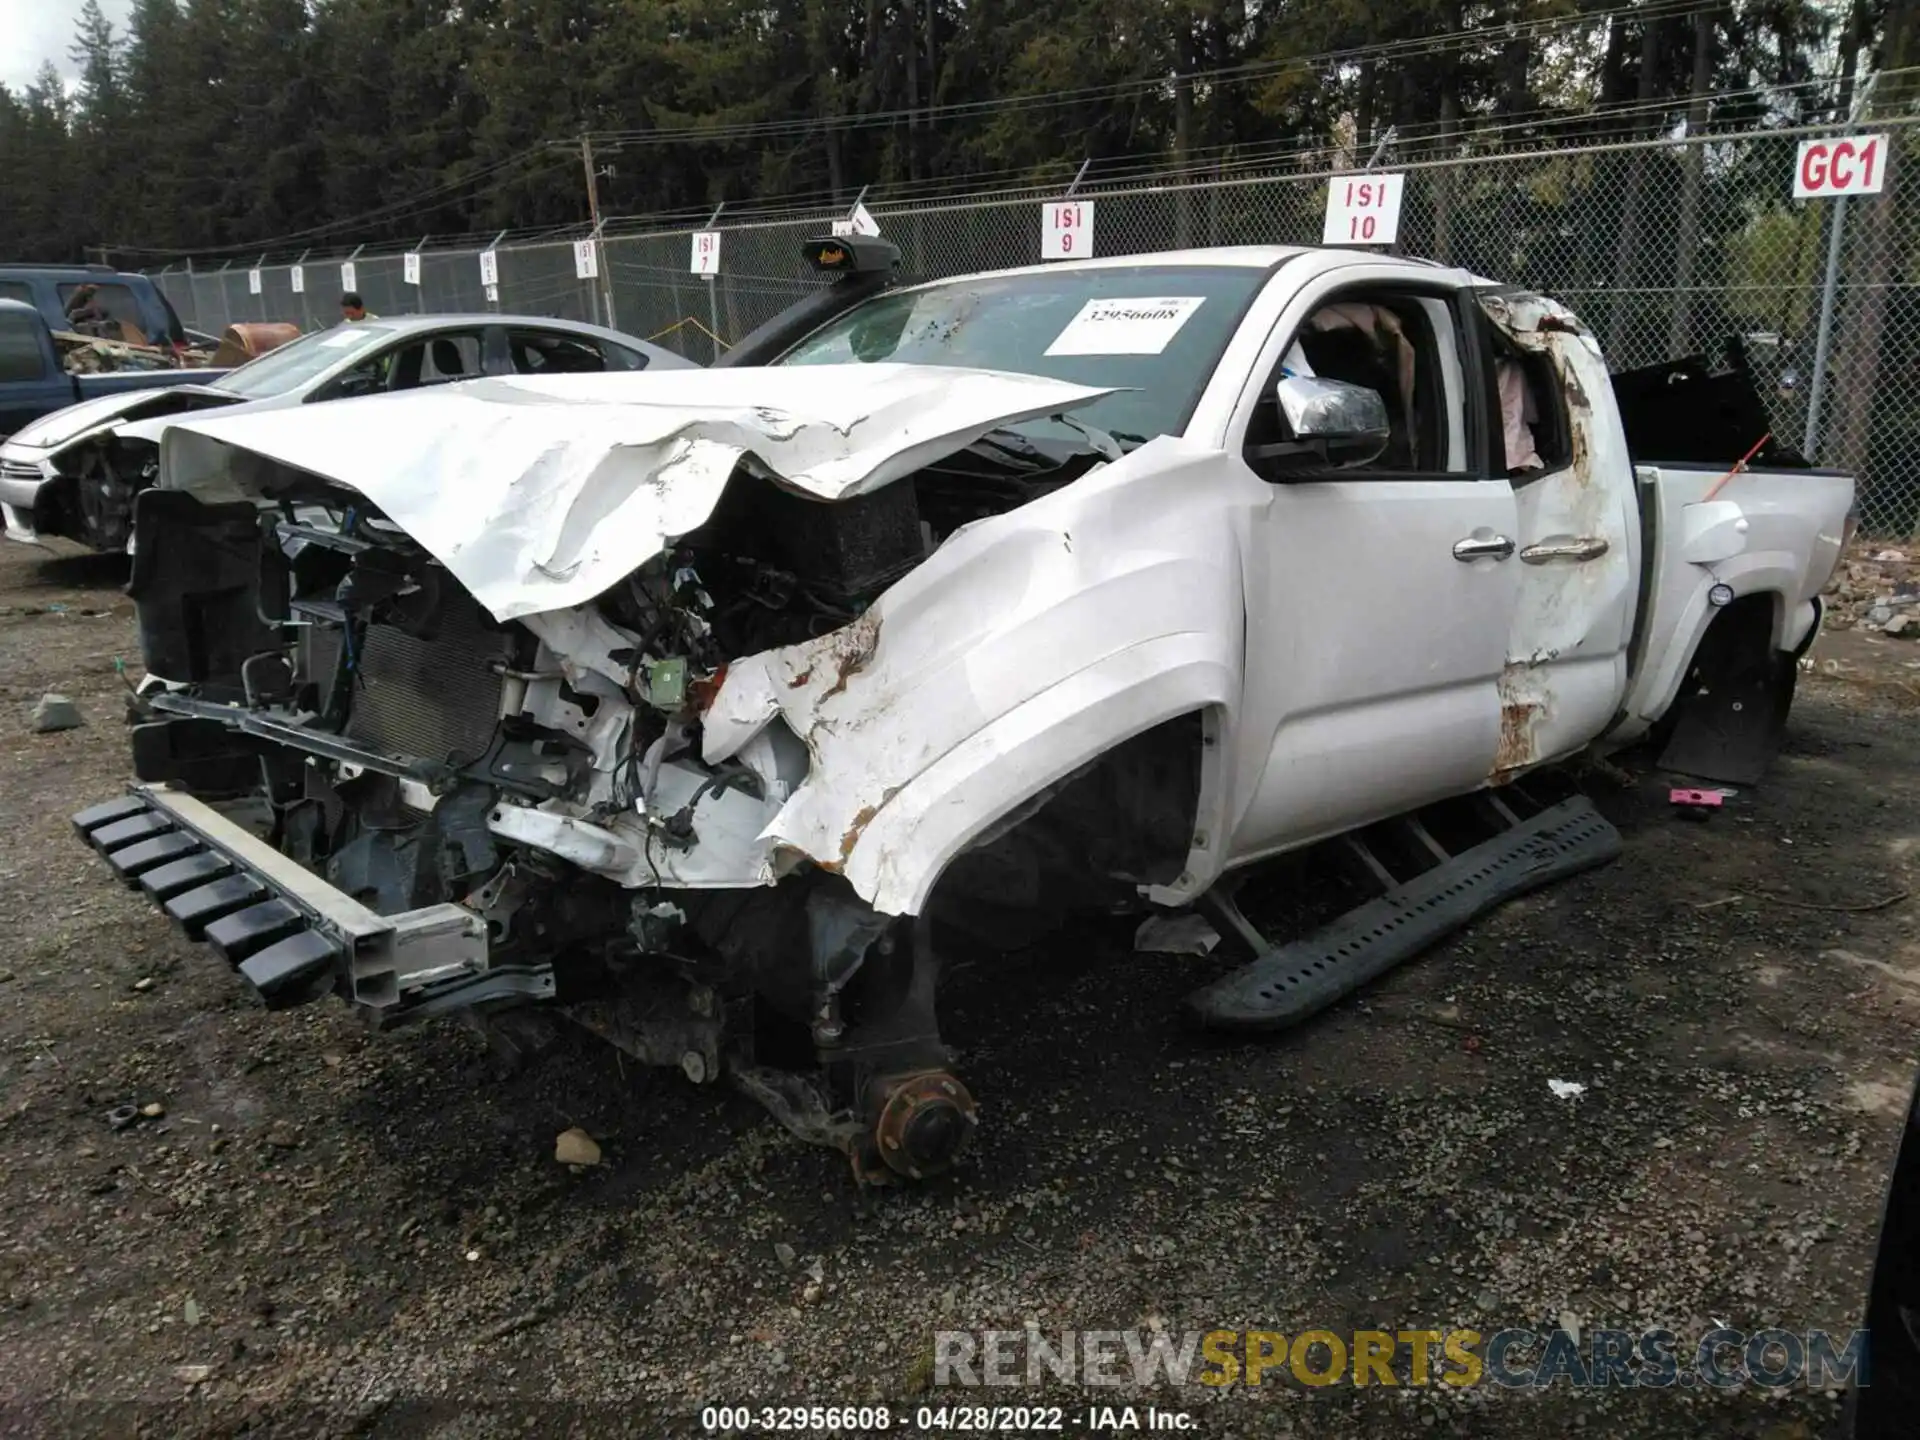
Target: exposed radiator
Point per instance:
(428, 699)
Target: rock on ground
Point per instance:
(55, 713)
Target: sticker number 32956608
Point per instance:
(1125, 327)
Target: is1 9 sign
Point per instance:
(1363, 209)
(1066, 230)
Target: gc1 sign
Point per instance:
(1363, 209)
(1851, 165)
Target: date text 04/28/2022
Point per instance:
(942, 1419)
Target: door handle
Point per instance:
(1565, 547)
(1499, 547)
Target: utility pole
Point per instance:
(593, 181)
(593, 213)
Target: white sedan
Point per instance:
(74, 473)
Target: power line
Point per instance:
(1420, 47)
(1595, 127)
(426, 199)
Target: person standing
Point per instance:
(353, 308)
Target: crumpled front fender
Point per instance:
(1026, 647)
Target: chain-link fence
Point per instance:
(1666, 247)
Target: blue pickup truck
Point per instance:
(134, 308)
(34, 382)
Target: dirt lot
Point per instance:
(368, 1234)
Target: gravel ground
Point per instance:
(333, 1232)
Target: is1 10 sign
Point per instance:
(1363, 209)
(1066, 230)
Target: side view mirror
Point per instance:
(1343, 424)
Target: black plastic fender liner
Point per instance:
(1286, 984)
(1731, 728)
(196, 587)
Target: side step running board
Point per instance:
(1286, 984)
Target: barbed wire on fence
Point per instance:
(1666, 245)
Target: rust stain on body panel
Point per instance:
(1524, 701)
(851, 649)
(862, 818)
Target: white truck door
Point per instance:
(1380, 595)
(1563, 449)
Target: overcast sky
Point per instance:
(32, 31)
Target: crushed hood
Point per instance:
(539, 493)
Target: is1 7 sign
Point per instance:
(705, 255)
(1363, 209)
(1066, 230)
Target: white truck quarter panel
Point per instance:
(1777, 533)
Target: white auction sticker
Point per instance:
(1066, 230)
(298, 276)
(1125, 327)
(344, 336)
(348, 277)
(253, 282)
(1363, 209)
(586, 260)
(489, 268)
(706, 252)
(410, 267)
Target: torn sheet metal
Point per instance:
(1025, 647)
(1579, 558)
(539, 493)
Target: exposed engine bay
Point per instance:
(529, 802)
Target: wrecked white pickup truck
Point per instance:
(682, 705)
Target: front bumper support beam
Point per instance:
(292, 936)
